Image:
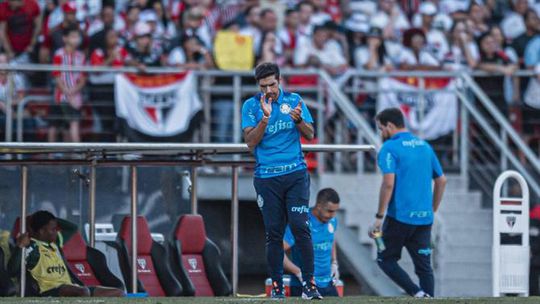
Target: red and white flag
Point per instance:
(157, 105)
(435, 117)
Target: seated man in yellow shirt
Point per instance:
(46, 265)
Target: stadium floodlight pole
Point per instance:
(234, 230)
(92, 205)
(133, 229)
(22, 229)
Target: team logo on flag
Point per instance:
(511, 221)
(157, 106)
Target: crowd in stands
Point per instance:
(488, 35)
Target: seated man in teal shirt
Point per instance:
(323, 224)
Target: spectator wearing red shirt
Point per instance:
(101, 89)
(68, 96)
(19, 26)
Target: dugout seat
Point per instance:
(195, 259)
(154, 274)
(88, 264)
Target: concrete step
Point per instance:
(466, 270)
(458, 200)
(465, 288)
(464, 254)
(465, 236)
(473, 220)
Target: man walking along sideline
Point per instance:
(409, 166)
(273, 121)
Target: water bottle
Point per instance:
(377, 236)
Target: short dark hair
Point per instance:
(266, 69)
(68, 30)
(265, 11)
(393, 115)
(327, 195)
(40, 219)
(290, 11)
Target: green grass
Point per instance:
(402, 300)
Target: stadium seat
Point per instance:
(196, 260)
(154, 274)
(89, 264)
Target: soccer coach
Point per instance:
(273, 121)
(409, 165)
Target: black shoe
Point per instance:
(310, 292)
(278, 292)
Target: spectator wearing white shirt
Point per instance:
(268, 24)
(288, 35)
(191, 54)
(319, 15)
(165, 26)
(373, 56)
(320, 52)
(305, 12)
(356, 28)
(463, 53)
(436, 40)
(194, 25)
(478, 16)
(253, 26)
(415, 55)
(502, 46)
(268, 51)
(395, 21)
(513, 23)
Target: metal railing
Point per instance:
(490, 122)
(338, 120)
(99, 155)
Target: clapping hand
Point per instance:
(266, 106)
(296, 113)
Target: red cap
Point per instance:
(69, 7)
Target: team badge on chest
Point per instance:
(285, 108)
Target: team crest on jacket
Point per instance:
(285, 108)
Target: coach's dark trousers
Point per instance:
(417, 240)
(285, 199)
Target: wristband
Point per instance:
(379, 216)
(298, 121)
